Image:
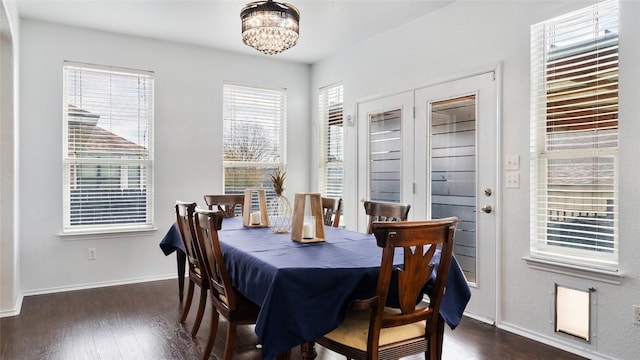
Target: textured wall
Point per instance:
(188, 146)
(9, 269)
(458, 40)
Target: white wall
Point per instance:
(188, 145)
(457, 40)
(460, 39)
(10, 299)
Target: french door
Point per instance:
(387, 172)
(444, 163)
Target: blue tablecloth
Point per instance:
(304, 290)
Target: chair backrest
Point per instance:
(331, 210)
(419, 241)
(184, 219)
(227, 203)
(385, 211)
(207, 224)
(336, 218)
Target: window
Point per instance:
(108, 148)
(254, 133)
(331, 123)
(574, 138)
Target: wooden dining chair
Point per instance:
(338, 215)
(226, 301)
(229, 204)
(371, 330)
(331, 211)
(184, 218)
(385, 211)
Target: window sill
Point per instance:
(104, 233)
(611, 277)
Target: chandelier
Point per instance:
(270, 27)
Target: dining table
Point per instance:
(305, 289)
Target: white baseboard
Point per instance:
(584, 351)
(18, 306)
(15, 310)
(480, 318)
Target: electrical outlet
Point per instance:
(636, 314)
(512, 179)
(92, 253)
(512, 162)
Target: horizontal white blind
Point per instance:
(254, 136)
(330, 107)
(574, 147)
(108, 153)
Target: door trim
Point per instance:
(496, 69)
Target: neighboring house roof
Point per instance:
(87, 138)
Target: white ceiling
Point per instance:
(326, 26)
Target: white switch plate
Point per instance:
(512, 162)
(512, 179)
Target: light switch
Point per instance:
(512, 179)
(512, 162)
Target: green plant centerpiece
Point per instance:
(279, 208)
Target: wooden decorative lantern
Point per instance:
(256, 218)
(309, 227)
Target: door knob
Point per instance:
(486, 209)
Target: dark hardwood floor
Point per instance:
(140, 321)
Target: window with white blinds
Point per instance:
(254, 136)
(108, 148)
(574, 137)
(331, 124)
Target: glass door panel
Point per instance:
(453, 173)
(385, 156)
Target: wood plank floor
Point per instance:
(140, 321)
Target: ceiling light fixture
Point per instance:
(269, 26)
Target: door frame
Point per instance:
(404, 101)
(497, 71)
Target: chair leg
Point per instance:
(212, 334)
(285, 355)
(231, 341)
(201, 306)
(439, 338)
(435, 342)
(187, 305)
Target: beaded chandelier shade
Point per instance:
(270, 27)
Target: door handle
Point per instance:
(486, 209)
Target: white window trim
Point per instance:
(81, 232)
(323, 121)
(610, 277)
(282, 128)
(562, 260)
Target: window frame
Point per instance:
(331, 113)
(231, 118)
(138, 156)
(571, 254)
